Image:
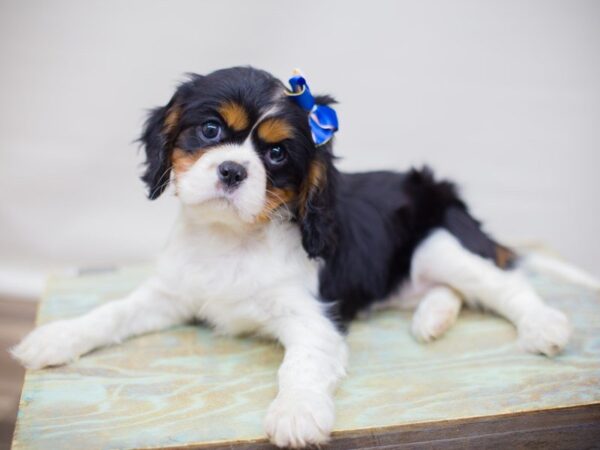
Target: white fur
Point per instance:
(240, 276)
(440, 259)
(65, 340)
(436, 313)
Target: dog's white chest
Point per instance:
(232, 282)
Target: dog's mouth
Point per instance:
(221, 201)
(226, 205)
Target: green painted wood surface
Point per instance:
(188, 386)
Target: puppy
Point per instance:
(273, 240)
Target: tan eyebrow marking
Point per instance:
(235, 115)
(274, 130)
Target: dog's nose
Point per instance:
(231, 174)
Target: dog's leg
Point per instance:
(148, 308)
(436, 313)
(441, 259)
(315, 359)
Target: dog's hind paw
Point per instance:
(436, 313)
(544, 330)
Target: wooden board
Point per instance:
(188, 387)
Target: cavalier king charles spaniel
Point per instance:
(272, 239)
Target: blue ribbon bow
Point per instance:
(321, 118)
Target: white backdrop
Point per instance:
(503, 96)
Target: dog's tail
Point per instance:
(555, 267)
(445, 208)
(468, 231)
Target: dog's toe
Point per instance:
(300, 418)
(49, 345)
(545, 330)
(436, 313)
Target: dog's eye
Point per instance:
(277, 155)
(211, 131)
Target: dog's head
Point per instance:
(236, 145)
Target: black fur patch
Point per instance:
(381, 217)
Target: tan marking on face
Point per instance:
(276, 198)
(314, 182)
(182, 161)
(235, 115)
(172, 119)
(274, 130)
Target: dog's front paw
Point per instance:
(300, 418)
(544, 330)
(50, 345)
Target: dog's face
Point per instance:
(236, 145)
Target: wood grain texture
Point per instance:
(188, 387)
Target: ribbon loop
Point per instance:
(322, 119)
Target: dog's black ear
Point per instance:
(158, 139)
(316, 209)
